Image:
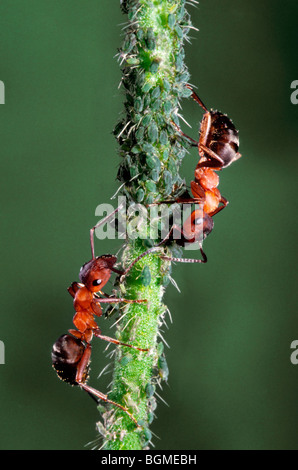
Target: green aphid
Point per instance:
(163, 137)
(126, 359)
(163, 369)
(132, 61)
(153, 132)
(151, 186)
(150, 418)
(145, 277)
(150, 390)
(166, 84)
(155, 175)
(155, 93)
(154, 66)
(140, 195)
(150, 40)
(156, 105)
(140, 134)
(146, 87)
(147, 119)
(138, 104)
(147, 435)
(171, 20)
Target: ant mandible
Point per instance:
(71, 360)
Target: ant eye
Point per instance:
(97, 282)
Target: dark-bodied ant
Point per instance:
(218, 147)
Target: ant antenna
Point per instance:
(102, 221)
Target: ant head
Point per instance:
(96, 273)
(208, 225)
(66, 354)
(203, 223)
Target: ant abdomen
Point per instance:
(67, 352)
(223, 138)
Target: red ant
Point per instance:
(218, 147)
(71, 359)
(70, 356)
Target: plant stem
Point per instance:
(154, 79)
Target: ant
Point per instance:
(218, 147)
(71, 360)
(71, 354)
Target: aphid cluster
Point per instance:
(150, 153)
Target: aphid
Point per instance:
(71, 360)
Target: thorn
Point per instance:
(158, 396)
(174, 284)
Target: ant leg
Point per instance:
(101, 396)
(147, 252)
(98, 334)
(73, 288)
(117, 271)
(90, 390)
(116, 300)
(196, 98)
(189, 200)
(215, 160)
(224, 202)
(151, 250)
(193, 142)
(102, 221)
(188, 260)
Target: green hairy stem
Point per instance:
(153, 81)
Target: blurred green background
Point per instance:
(231, 383)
